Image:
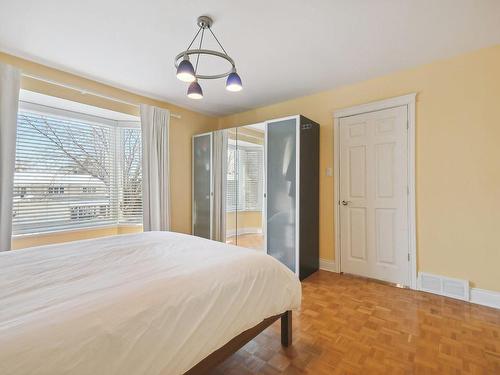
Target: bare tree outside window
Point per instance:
(73, 173)
(92, 158)
(131, 202)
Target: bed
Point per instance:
(146, 303)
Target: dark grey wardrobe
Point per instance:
(290, 193)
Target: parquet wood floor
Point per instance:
(350, 325)
(252, 241)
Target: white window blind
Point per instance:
(130, 175)
(74, 174)
(244, 178)
(253, 179)
(232, 179)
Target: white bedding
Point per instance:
(148, 303)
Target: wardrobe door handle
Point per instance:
(345, 203)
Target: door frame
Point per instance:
(404, 100)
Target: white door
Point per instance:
(373, 195)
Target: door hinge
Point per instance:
(408, 257)
(407, 124)
(407, 190)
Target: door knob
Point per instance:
(345, 203)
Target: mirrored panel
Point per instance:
(250, 202)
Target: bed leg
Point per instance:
(286, 328)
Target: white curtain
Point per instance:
(219, 185)
(155, 123)
(10, 79)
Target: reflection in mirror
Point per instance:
(231, 187)
(245, 186)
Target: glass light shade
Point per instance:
(233, 82)
(195, 91)
(185, 71)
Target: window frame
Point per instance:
(69, 115)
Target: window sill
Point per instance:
(74, 230)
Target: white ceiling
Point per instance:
(282, 48)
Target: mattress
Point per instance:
(146, 303)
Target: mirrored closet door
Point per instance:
(245, 186)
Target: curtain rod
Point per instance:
(90, 92)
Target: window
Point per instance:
(75, 171)
(244, 178)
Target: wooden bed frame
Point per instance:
(239, 341)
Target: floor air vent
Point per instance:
(445, 286)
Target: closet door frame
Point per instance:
(211, 193)
(297, 185)
(409, 101)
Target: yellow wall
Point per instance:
(72, 235)
(458, 159)
(246, 219)
(181, 130)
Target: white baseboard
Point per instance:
(485, 297)
(327, 265)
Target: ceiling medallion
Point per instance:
(187, 73)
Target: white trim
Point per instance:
(297, 195)
(211, 196)
(327, 265)
(485, 297)
(264, 201)
(336, 191)
(412, 210)
(71, 115)
(376, 105)
(192, 185)
(405, 100)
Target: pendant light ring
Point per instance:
(181, 55)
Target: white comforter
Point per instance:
(148, 303)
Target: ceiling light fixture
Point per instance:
(187, 73)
